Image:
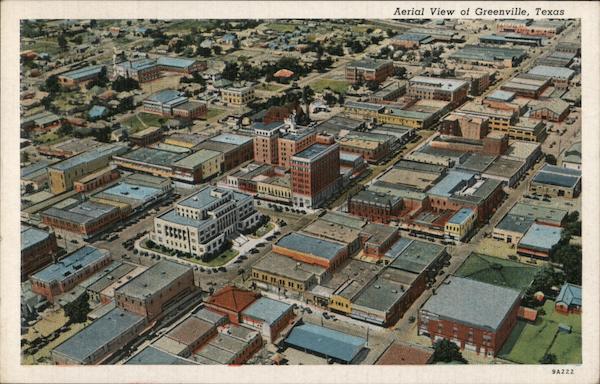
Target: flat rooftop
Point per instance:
(541, 237)
(472, 302)
(90, 156)
(98, 334)
(561, 177)
(204, 197)
(311, 245)
(413, 255)
(153, 156)
(445, 84)
(197, 158)
(370, 64)
(505, 167)
(552, 72)
(129, 191)
(327, 229)
(477, 162)
(190, 330)
(386, 290)
(451, 182)
(154, 356)
(267, 310)
(230, 138)
(287, 267)
(82, 213)
(344, 219)
(31, 236)
(312, 152)
(515, 223)
(154, 279)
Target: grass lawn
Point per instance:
(260, 232)
(339, 86)
(214, 112)
(270, 87)
(493, 270)
(280, 27)
(528, 342)
(142, 121)
(218, 261)
(45, 45)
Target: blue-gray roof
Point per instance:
(81, 346)
(570, 294)
(413, 37)
(515, 223)
(164, 96)
(452, 181)
(178, 62)
(132, 191)
(499, 94)
(268, 127)
(97, 111)
(472, 302)
(268, 310)
(93, 154)
(31, 236)
(414, 256)
(173, 217)
(154, 156)
(367, 106)
(154, 356)
(311, 245)
(461, 216)
(84, 72)
(326, 342)
(71, 264)
(553, 72)
(82, 213)
(231, 138)
(540, 237)
(203, 197)
(562, 177)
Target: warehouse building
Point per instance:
(556, 181)
(452, 90)
(369, 70)
(80, 75)
(66, 273)
(156, 289)
(81, 219)
(474, 315)
(171, 103)
(489, 56)
(99, 340)
(38, 247)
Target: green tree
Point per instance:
(447, 351)
(400, 72)
(217, 49)
(78, 309)
(93, 23)
(372, 85)
(230, 72)
(62, 42)
(65, 129)
(52, 85)
(307, 98)
(551, 159)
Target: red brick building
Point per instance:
(96, 179)
(315, 175)
(292, 143)
(312, 250)
(474, 315)
(231, 301)
(376, 207)
(66, 273)
(236, 149)
(156, 289)
(37, 249)
(369, 70)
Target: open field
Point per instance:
(214, 112)
(339, 86)
(528, 342)
(493, 270)
(142, 121)
(270, 87)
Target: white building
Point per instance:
(202, 222)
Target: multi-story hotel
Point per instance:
(201, 223)
(315, 175)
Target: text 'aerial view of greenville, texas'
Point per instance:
(300, 192)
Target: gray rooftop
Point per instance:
(553, 72)
(437, 83)
(153, 156)
(514, 223)
(266, 309)
(562, 177)
(311, 245)
(540, 237)
(31, 236)
(287, 267)
(386, 290)
(153, 279)
(326, 341)
(416, 256)
(231, 138)
(93, 154)
(69, 265)
(154, 356)
(451, 182)
(312, 152)
(95, 336)
(82, 213)
(472, 302)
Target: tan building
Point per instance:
(238, 95)
(460, 224)
(63, 175)
(275, 188)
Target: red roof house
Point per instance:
(283, 74)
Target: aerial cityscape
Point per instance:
(300, 192)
